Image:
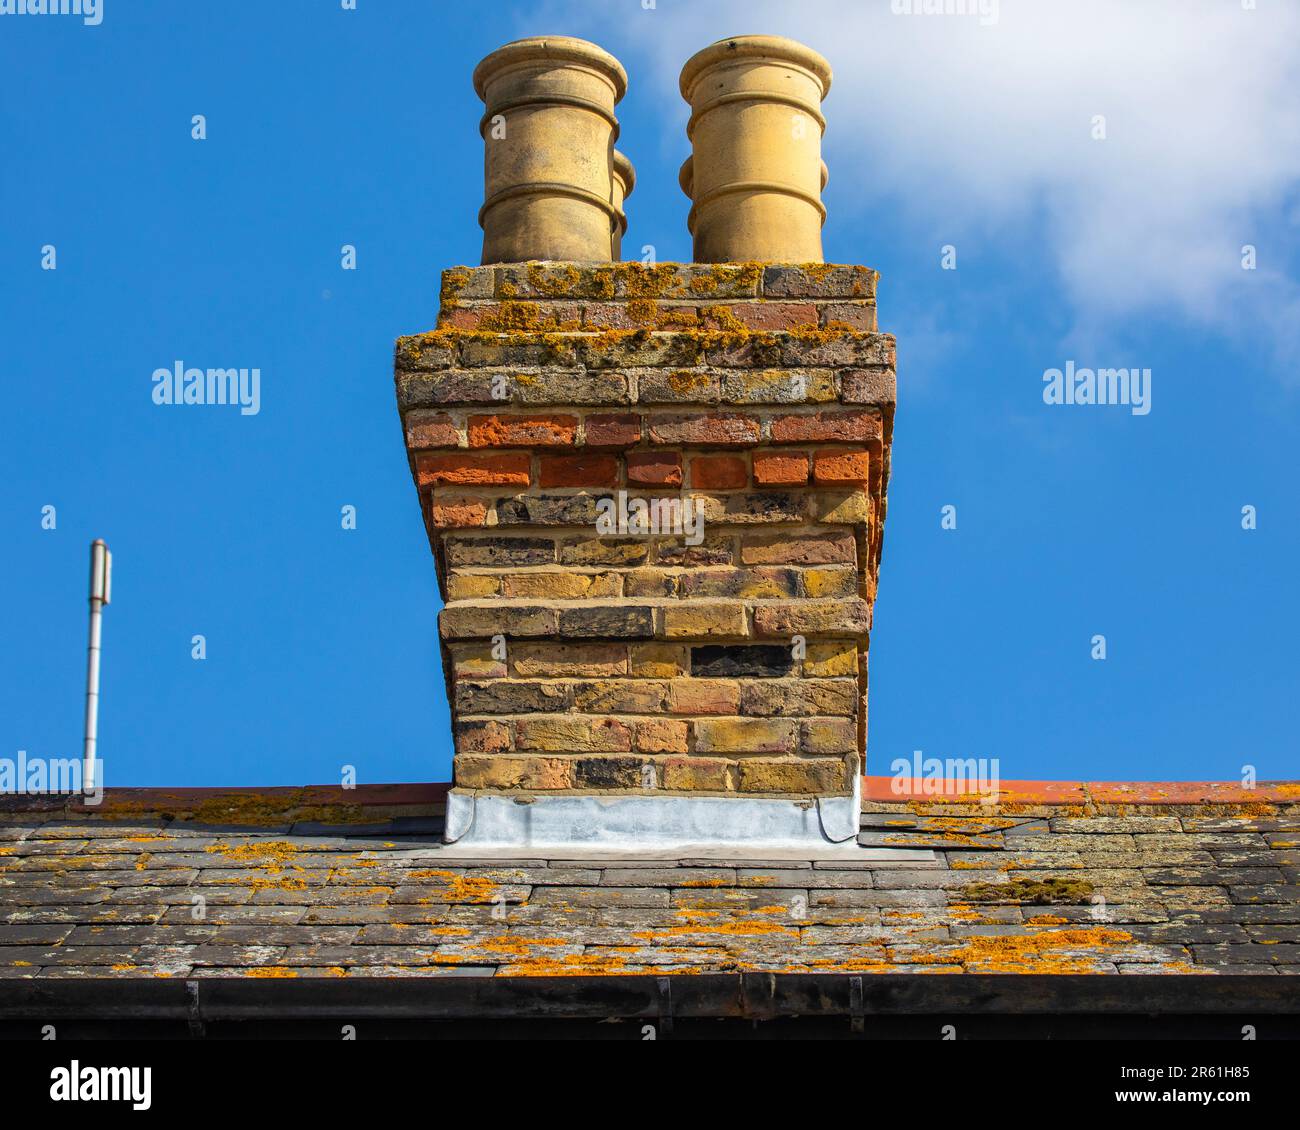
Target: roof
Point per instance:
(1059, 878)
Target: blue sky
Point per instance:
(329, 127)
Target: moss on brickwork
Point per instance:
(1030, 892)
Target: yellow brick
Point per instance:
(476, 661)
(551, 586)
(573, 734)
(701, 621)
(661, 735)
(469, 586)
(821, 776)
(658, 660)
(541, 773)
(698, 774)
(830, 582)
(829, 659)
(557, 660)
(745, 735)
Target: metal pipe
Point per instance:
(101, 566)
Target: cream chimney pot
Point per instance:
(549, 133)
(756, 173)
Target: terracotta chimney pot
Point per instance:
(756, 174)
(549, 134)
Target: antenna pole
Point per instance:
(101, 566)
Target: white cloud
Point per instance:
(976, 130)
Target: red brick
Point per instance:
(775, 315)
(480, 470)
(843, 427)
(719, 472)
(430, 429)
(579, 471)
(457, 513)
(780, 468)
(522, 431)
(655, 468)
(716, 430)
(837, 466)
(859, 316)
(608, 430)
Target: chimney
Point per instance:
(654, 493)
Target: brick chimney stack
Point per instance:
(654, 493)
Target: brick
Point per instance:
(799, 698)
(763, 316)
(710, 429)
(457, 513)
(745, 735)
(654, 468)
(571, 388)
(621, 696)
(518, 351)
(560, 660)
(657, 660)
(704, 696)
(476, 661)
(822, 776)
(844, 508)
(678, 386)
(586, 470)
(499, 551)
(830, 582)
(606, 430)
(778, 386)
(819, 282)
(808, 617)
(468, 586)
(540, 773)
(547, 510)
(756, 507)
(828, 548)
(780, 468)
(661, 735)
(696, 621)
(610, 621)
(510, 696)
(830, 658)
(508, 469)
(561, 586)
(570, 734)
(608, 773)
(522, 431)
(482, 737)
(640, 349)
(459, 283)
(869, 386)
(735, 661)
(422, 353)
(829, 735)
(430, 429)
(835, 466)
(827, 427)
(719, 472)
(765, 583)
(459, 621)
(650, 582)
(716, 549)
(604, 551)
(855, 315)
(697, 774)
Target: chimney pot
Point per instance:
(756, 173)
(549, 167)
